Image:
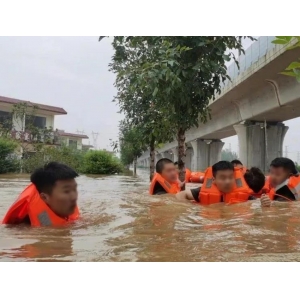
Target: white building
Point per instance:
(73, 140)
(40, 117)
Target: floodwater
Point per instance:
(121, 222)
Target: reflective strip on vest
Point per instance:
(239, 182)
(44, 219)
(209, 183)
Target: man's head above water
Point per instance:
(57, 187)
(237, 164)
(167, 169)
(223, 173)
(281, 169)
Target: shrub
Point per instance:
(65, 155)
(101, 162)
(8, 160)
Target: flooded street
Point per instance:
(121, 222)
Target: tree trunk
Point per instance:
(134, 166)
(181, 154)
(152, 158)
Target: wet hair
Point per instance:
(255, 179)
(161, 163)
(222, 166)
(285, 163)
(45, 178)
(236, 162)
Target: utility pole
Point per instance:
(95, 139)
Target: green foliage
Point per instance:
(8, 162)
(228, 155)
(101, 162)
(131, 142)
(66, 155)
(165, 83)
(294, 68)
(297, 166)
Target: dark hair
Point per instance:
(255, 179)
(161, 163)
(45, 178)
(176, 163)
(285, 163)
(222, 166)
(236, 162)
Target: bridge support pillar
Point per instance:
(174, 154)
(188, 157)
(206, 153)
(260, 144)
(167, 154)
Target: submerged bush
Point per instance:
(69, 156)
(8, 160)
(101, 162)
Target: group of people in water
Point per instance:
(51, 198)
(230, 182)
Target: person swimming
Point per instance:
(224, 180)
(284, 179)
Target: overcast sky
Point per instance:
(72, 72)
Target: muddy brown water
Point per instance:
(121, 222)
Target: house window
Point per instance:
(5, 119)
(73, 144)
(37, 122)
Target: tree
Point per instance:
(131, 145)
(228, 155)
(137, 104)
(294, 68)
(8, 163)
(181, 73)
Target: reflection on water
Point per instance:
(121, 222)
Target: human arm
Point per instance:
(265, 201)
(192, 194)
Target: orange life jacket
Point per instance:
(293, 185)
(170, 188)
(265, 190)
(197, 177)
(30, 204)
(187, 175)
(209, 193)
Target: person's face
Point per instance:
(278, 175)
(169, 172)
(63, 198)
(224, 181)
(239, 166)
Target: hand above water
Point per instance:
(265, 201)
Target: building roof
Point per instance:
(53, 109)
(68, 134)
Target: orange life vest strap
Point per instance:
(170, 188)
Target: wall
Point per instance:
(66, 141)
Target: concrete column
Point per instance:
(188, 157)
(174, 154)
(259, 145)
(215, 151)
(167, 154)
(158, 156)
(208, 153)
(195, 164)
